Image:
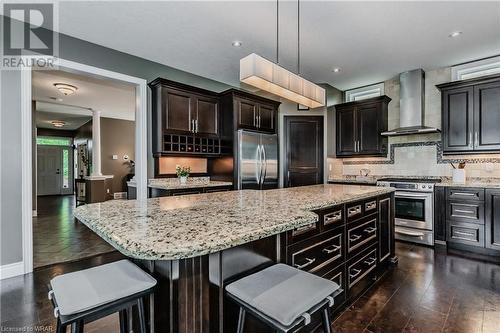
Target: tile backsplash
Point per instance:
(417, 155)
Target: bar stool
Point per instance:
(87, 295)
(284, 298)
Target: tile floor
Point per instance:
(58, 237)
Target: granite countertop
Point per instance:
(174, 183)
(179, 227)
(494, 183)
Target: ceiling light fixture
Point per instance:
(237, 43)
(66, 89)
(269, 76)
(336, 70)
(455, 34)
(58, 123)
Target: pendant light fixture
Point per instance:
(269, 76)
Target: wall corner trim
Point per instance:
(11, 270)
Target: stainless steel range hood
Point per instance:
(412, 112)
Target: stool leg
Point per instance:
(327, 328)
(123, 321)
(241, 320)
(60, 328)
(142, 319)
(77, 327)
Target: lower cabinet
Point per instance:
(156, 192)
(473, 220)
(492, 219)
(350, 244)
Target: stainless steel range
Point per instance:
(414, 208)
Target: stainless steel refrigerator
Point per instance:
(257, 160)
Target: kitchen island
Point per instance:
(196, 244)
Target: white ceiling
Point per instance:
(74, 118)
(369, 41)
(113, 99)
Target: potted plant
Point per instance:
(183, 173)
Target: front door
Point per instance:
(303, 150)
(49, 168)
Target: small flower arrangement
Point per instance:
(182, 172)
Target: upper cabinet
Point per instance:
(358, 127)
(185, 119)
(471, 115)
(249, 111)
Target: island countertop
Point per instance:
(181, 227)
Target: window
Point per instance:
(474, 69)
(358, 94)
(53, 141)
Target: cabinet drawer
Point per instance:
(322, 251)
(370, 206)
(337, 275)
(465, 193)
(465, 233)
(360, 234)
(332, 218)
(304, 232)
(354, 211)
(359, 268)
(470, 212)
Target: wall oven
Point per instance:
(414, 209)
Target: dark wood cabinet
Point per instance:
(359, 125)
(384, 227)
(492, 223)
(471, 115)
(250, 112)
(439, 214)
(181, 116)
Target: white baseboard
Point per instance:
(11, 270)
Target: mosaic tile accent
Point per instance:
(441, 159)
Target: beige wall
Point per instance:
(117, 138)
(416, 160)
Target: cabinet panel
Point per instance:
(207, 115)
(247, 113)
(471, 212)
(346, 131)
(465, 233)
(492, 223)
(177, 110)
(487, 116)
(384, 226)
(266, 118)
(368, 129)
(458, 119)
(439, 214)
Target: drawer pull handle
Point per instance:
(465, 211)
(370, 229)
(356, 273)
(464, 194)
(331, 249)
(305, 228)
(371, 205)
(333, 217)
(354, 238)
(308, 262)
(370, 261)
(354, 211)
(464, 233)
(411, 234)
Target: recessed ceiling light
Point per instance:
(58, 123)
(455, 34)
(66, 89)
(336, 70)
(237, 43)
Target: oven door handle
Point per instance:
(411, 195)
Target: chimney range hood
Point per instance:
(412, 112)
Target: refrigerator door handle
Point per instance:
(259, 161)
(264, 164)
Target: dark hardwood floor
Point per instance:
(57, 237)
(429, 291)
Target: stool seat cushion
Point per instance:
(281, 292)
(87, 289)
